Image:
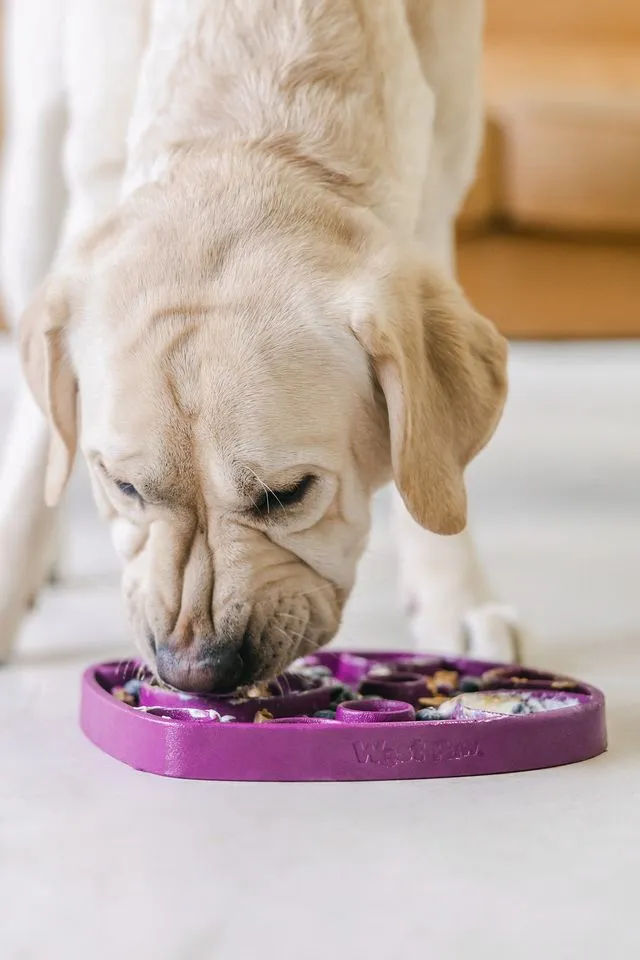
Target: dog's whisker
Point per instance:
(313, 644)
(323, 588)
(120, 668)
(290, 634)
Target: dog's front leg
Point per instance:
(443, 584)
(33, 202)
(27, 527)
(447, 597)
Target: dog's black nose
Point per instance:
(200, 669)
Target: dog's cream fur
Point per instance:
(252, 286)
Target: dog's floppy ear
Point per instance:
(442, 368)
(50, 376)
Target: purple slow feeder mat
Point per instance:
(373, 738)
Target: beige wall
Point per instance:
(562, 82)
(550, 234)
(575, 19)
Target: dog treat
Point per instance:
(262, 716)
(346, 716)
(467, 706)
(445, 681)
(258, 690)
(432, 701)
(122, 694)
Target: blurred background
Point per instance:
(550, 234)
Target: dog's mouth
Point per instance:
(268, 645)
(254, 679)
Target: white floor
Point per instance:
(98, 861)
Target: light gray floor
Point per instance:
(99, 861)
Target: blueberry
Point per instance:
(325, 714)
(428, 713)
(342, 694)
(470, 685)
(133, 687)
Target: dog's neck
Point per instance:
(307, 81)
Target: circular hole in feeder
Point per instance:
(375, 711)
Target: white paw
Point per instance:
(26, 563)
(493, 632)
(13, 610)
(486, 631)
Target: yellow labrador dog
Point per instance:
(229, 227)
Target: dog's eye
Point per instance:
(123, 486)
(271, 500)
(128, 489)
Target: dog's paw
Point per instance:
(486, 631)
(493, 632)
(26, 564)
(13, 610)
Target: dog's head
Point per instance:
(241, 381)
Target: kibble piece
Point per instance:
(121, 693)
(564, 685)
(446, 681)
(431, 701)
(262, 716)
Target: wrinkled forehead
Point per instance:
(242, 388)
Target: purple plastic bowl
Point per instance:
(290, 747)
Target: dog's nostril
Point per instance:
(226, 666)
(197, 671)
